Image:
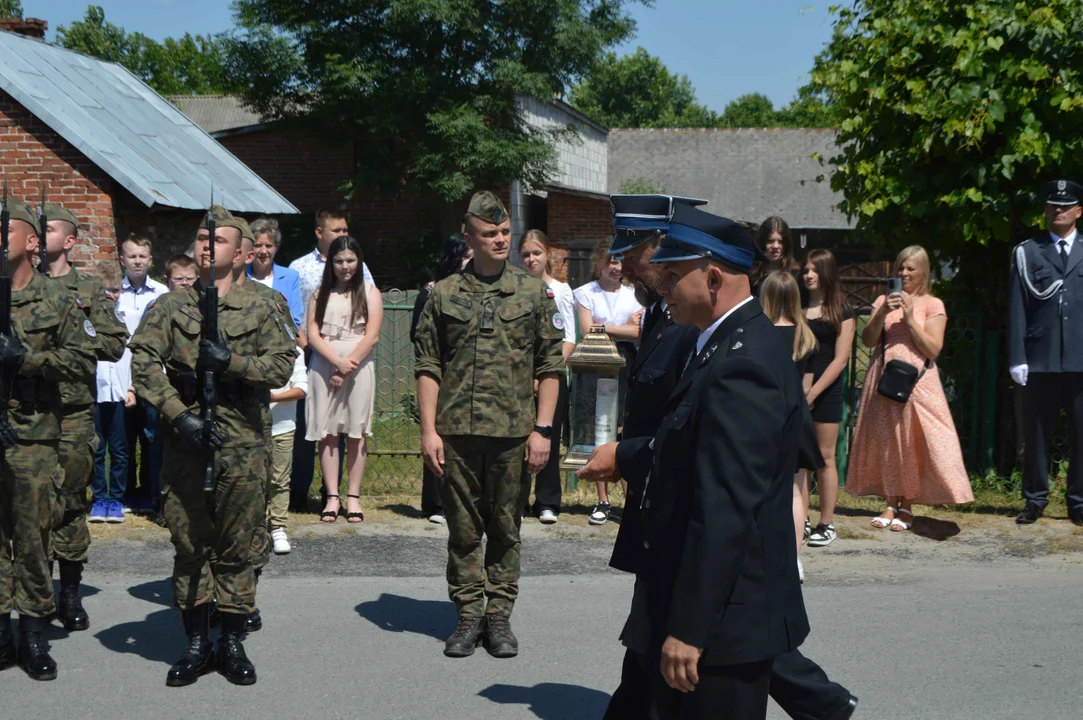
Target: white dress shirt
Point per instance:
(284, 414)
(132, 302)
(310, 268)
(1068, 241)
(706, 334)
(562, 293)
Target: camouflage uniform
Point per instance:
(79, 441)
(213, 555)
(57, 337)
(486, 343)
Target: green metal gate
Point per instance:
(394, 462)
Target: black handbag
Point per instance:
(898, 378)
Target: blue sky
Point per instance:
(726, 47)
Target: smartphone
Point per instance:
(894, 285)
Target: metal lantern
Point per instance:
(595, 365)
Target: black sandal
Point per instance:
(327, 516)
(351, 516)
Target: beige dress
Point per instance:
(347, 410)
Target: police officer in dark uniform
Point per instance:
(797, 683)
(1045, 345)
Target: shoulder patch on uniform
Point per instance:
(549, 293)
(110, 295)
(289, 330)
(278, 307)
(558, 321)
(79, 304)
(88, 328)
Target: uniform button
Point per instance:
(646, 504)
(646, 545)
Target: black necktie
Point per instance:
(652, 316)
(1063, 254)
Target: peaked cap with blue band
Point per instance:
(637, 218)
(695, 234)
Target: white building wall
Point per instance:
(583, 165)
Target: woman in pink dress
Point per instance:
(907, 452)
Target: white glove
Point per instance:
(1019, 374)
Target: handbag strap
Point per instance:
(883, 356)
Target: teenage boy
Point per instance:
(140, 420)
(108, 492)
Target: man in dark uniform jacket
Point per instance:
(1045, 345)
(707, 506)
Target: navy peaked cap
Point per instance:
(697, 234)
(637, 218)
(1062, 192)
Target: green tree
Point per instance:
(641, 186)
(749, 111)
(191, 64)
(426, 89)
(952, 114)
(11, 9)
(638, 90)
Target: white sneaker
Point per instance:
(547, 516)
(437, 519)
(800, 571)
(281, 542)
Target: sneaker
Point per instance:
(547, 516)
(600, 514)
(822, 536)
(281, 542)
(99, 512)
(126, 508)
(808, 530)
(437, 519)
(115, 512)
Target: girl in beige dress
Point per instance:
(343, 323)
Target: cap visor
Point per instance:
(674, 255)
(1062, 202)
(624, 243)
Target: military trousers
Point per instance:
(29, 487)
(213, 552)
(480, 492)
(78, 444)
(261, 540)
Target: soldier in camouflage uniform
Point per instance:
(213, 545)
(50, 343)
(485, 335)
(78, 441)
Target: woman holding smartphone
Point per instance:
(907, 452)
(832, 322)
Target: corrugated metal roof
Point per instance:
(135, 135)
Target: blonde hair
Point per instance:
(781, 300)
(542, 240)
(921, 258)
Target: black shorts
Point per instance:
(828, 407)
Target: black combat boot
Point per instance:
(467, 636)
(69, 606)
(33, 650)
(232, 662)
(8, 656)
(499, 639)
(198, 658)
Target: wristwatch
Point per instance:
(546, 431)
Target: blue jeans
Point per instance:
(141, 423)
(109, 422)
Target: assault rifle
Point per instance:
(209, 383)
(43, 223)
(7, 434)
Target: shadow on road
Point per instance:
(159, 592)
(158, 638)
(395, 613)
(934, 529)
(552, 701)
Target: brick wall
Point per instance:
(31, 153)
(576, 222)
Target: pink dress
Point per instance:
(347, 410)
(908, 449)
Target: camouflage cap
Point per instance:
(19, 210)
(224, 218)
(488, 207)
(56, 211)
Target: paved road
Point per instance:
(354, 629)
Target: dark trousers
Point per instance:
(304, 463)
(1043, 397)
(430, 492)
(141, 425)
(547, 483)
(734, 692)
(112, 438)
(631, 701)
(802, 688)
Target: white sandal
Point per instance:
(883, 522)
(902, 525)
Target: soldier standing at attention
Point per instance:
(485, 335)
(1045, 346)
(78, 439)
(213, 545)
(50, 343)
